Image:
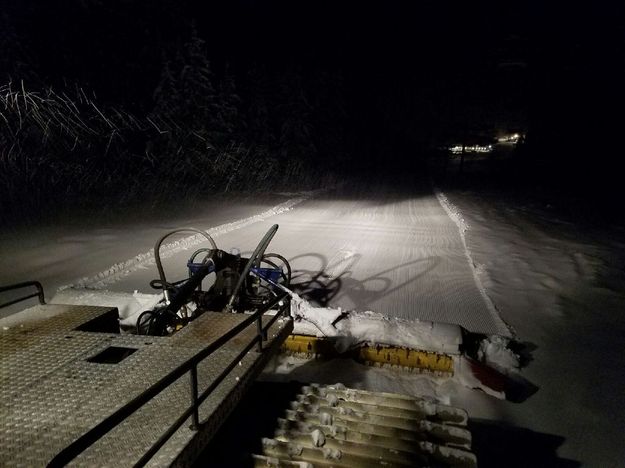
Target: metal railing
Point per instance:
(26, 284)
(101, 429)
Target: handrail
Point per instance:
(190, 365)
(25, 284)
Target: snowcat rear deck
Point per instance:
(74, 390)
(77, 389)
(70, 387)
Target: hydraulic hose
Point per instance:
(287, 265)
(255, 258)
(157, 252)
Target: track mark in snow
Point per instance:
(342, 262)
(119, 270)
(456, 216)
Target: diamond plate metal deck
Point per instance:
(50, 394)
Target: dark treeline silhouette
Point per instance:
(108, 120)
(145, 99)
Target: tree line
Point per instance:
(203, 131)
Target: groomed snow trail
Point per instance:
(386, 246)
(381, 245)
(119, 270)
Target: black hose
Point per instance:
(157, 249)
(139, 324)
(158, 284)
(289, 272)
(255, 258)
(199, 251)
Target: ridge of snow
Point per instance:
(456, 216)
(351, 328)
(119, 270)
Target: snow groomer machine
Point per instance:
(82, 386)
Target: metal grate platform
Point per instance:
(50, 392)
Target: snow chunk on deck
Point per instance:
(352, 328)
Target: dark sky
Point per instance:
(422, 40)
(493, 64)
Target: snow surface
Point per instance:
(113, 273)
(318, 438)
(130, 306)
(352, 328)
(453, 212)
(495, 352)
(558, 284)
(363, 247)
(90, 251)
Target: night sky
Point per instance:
(431, 52)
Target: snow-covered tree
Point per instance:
(230, 102)
(166, 95)
(296, 129)
(259, 120)
(199, 98)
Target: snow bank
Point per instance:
(354, 328)
(456, 216)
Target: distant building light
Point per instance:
(513, 138)
(457, 149)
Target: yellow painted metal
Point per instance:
(406, 357)
(312, 346)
